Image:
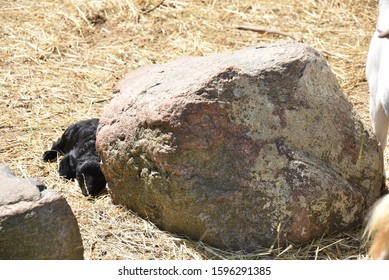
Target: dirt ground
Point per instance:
(60, 60)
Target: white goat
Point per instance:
(377, 73)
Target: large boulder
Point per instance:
(35, 223)
(240, 150)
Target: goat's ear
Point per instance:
(67, 167)
(82, 182)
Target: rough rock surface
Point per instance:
(35, 223)
(229, 148)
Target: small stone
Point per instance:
(35, 223)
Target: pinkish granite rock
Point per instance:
(35, 223)
(228, 148)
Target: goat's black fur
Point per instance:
(80, 161)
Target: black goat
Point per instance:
(80, 161)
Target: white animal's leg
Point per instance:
(381, 118)
(377, 112)
(377, 73)
(380, 123)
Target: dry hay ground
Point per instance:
(61, 59)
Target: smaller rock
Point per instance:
(35, 223)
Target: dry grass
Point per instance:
(60, 60)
